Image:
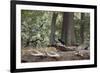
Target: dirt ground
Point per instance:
(63, 56)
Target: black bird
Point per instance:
(62, 42)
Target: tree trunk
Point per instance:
(82, 28)
(68, 35)
(52, 35)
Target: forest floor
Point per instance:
(27, 56)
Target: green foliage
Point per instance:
(77, 26)
(36, 27)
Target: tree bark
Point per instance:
(52, 35)
(82, 28)
(68, 35)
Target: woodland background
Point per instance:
(54, 35)
(42, 28)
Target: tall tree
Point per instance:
(68, 36)
(82, 27)
(53, 22)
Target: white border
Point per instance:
(20, 65)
